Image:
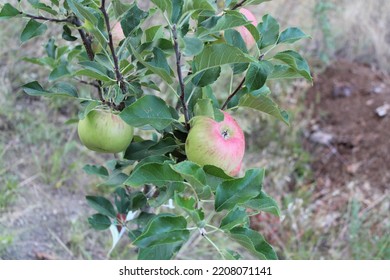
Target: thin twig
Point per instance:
(238, 5)
(233, 94)
(69, 20)
(180, 76)
(118, 74)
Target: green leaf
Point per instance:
(194, 175)
(254, 242)
(215, 176)
(220, 54)
(154, 33)
(264, 202)
(67, 34)
(257, 75)
(159, 252)
(193, 46)
(255, 2)
(236, 217)
(269, 31)
(88, 106)
(159, 61)
(296, 62)
(59, 72)
(46, 8)
(8, 11)
(148, 110)
(229, 20)
(93, 74)
(132, 19)
(206, 77)
(234, 38)
(158, 174)
(96, 170)
(59, 89)
(32, 29)
(204, 107)
(283, 72)
(238, 191)
(264, 103)
(119, 7)
(188, 204)
(291, 35)
(82, 11)
(143, 149)
(102, 205)
(198, 5)
(163, 229)
(99, 222)
(51, 48)
(177, 10)
(166, 76)
(163, 5)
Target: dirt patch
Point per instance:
(349, 135)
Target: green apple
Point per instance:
(105, 132)
(221, 144)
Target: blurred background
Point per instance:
(329, 171)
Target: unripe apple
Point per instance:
(245, 34)
(221, 144)
(105, 132)
(117, 34)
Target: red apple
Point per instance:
(117, 34)
(246, 35)
(105, 132)
(221, 144)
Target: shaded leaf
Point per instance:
(264, 202)
(102, 205)
(148, 110)
(263, 103)
(32, 29)
(291, 35)
(99, 221)
(163, 229)
(269, 31)
(239, 190)
(254, 242)
(158, 174)
(296, 62)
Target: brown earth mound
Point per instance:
(349, 135)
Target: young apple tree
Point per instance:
(155, 70)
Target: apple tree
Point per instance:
(178, 173)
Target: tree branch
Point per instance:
(69, 20)
(233, 94)
(239, 4)
(118, 74)
(84, 38)
(180, 77)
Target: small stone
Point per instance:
(382, 110)
(321, 138)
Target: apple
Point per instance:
(221, 144)
(117, 34)
(105, 132)
(246, 35)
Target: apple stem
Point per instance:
(180, 77)
(233, 94)
(119, 77)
